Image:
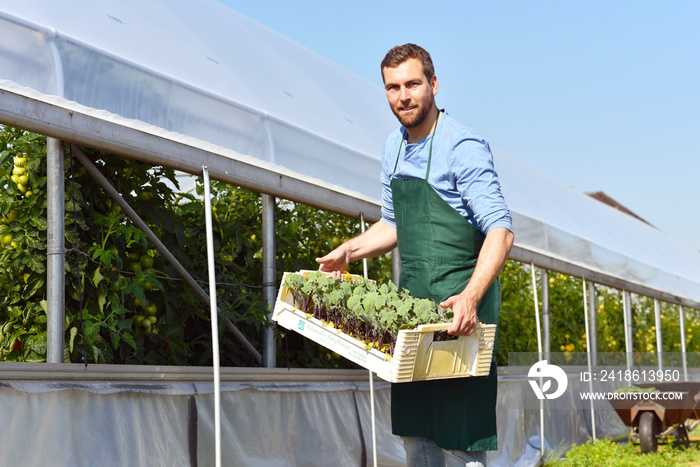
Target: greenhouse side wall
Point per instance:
(270, 417)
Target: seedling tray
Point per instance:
(416, 357)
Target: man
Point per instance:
(442, 205)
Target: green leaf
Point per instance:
(35, 264)
(129, 339)
(34, 348)
(97, 277)
(73, 333)
(101, 300)
(115, 338)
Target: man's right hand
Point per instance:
(377, 240)
(335, 261)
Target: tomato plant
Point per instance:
(135, 308)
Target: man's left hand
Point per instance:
(464, 319)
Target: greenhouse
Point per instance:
(209, 101)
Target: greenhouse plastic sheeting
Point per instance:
(201, 70)
(150, 424)
(263, 423)
(198, 68)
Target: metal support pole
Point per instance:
(586, 320)
(627, 319)
(659, 335)
(371, 374)
(593, 320)
(539, 352)
(546, 337)
(269, 273)
(681, 313)
(214, 319)
(55, 251)
(114, 194)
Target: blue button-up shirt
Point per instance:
(461, 172)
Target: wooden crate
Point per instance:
(416, 356)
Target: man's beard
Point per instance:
(416, 119)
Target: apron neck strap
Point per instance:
(430, 151)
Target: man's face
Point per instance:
(411, 95)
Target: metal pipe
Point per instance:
(546, 336)
(593, 320)
(659, 335)
(627, 319)
(527, 255)
(114, 194)
(214, 318)
(539, 352)
(269, 274)
(365, 272)
(681, 315)
(55, 251)
(586, 320)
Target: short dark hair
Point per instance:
(401, 53)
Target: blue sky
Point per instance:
(601, 95)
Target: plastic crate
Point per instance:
(416, 356)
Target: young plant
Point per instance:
(361, 308)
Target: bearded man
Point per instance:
(442, 206)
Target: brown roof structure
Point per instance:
(603, 198)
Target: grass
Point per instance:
(604, 453)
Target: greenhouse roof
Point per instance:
(187, 83)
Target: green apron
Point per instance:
(439, 249)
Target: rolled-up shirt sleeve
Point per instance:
(392, 141)
(387, 200)
(477, 182)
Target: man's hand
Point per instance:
(491, 259)
(335, 261)
(377, 240)
(464, 319)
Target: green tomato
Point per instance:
(6, 239)
(137, 320)
(133, 256)
(146, 196)
(23, 179)
(146, 261)
(136, 267)
(151, 309)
